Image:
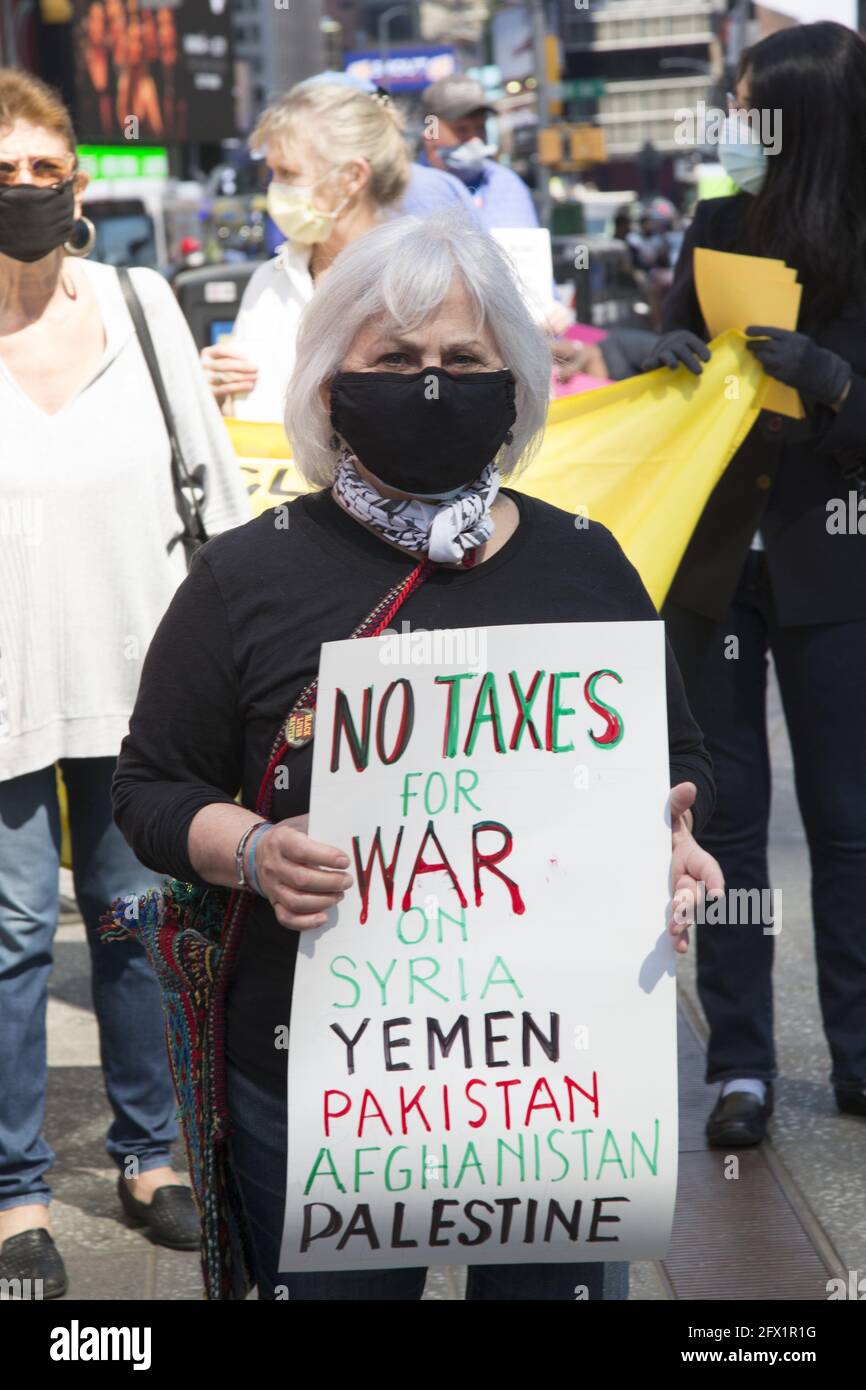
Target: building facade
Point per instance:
(643, 62)
(276, 45)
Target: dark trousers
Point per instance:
(821, 671)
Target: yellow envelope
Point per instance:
(735, 291)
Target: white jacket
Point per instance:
(266, 329)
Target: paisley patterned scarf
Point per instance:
(444, 531)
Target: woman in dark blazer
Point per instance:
(778, 563)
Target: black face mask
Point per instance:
(35, 221)
(427, 433)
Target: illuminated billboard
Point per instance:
(403, 69)
(153, 72)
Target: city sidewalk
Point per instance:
(806, 1187)
(817, 1154)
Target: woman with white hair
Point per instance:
(406, 475)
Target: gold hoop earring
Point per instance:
(75, 246)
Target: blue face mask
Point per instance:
(466, 161)
(742, 155)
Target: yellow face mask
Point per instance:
(293, 211)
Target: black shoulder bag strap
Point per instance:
(194, 533)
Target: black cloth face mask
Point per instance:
(427, 433)
(35, 221)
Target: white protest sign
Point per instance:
(482, 1054)
(530, 251)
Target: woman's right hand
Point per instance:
(228, 372)
(301, 878)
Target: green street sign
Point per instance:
(582, 88)
(121, 162)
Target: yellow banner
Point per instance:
(641, 456)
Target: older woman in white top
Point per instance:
(339, 163)
(90, 558)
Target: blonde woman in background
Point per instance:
(340, 164)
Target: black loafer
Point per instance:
(739, 1120)
(851, 1102)
(171, 1217)
(31, 1261)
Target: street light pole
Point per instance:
(384, 25)
(539, 35)
(7, 37)
(738, 31)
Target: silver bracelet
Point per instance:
(239, 852)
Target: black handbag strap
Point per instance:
(194, 532)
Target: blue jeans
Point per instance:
(259, 1144)
(821, 670)
(126, 995)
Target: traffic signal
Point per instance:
(587, 144)
(553, 73)
(550, 145)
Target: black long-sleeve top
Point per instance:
(241, 639)
(784, 474)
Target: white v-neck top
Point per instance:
(88, 531)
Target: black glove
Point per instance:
(794, 359)
(679, 348)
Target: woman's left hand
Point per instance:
(797, 361)
(557, 318)
(694, 871)
(568, 357)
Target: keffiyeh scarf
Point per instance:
(444, 531)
